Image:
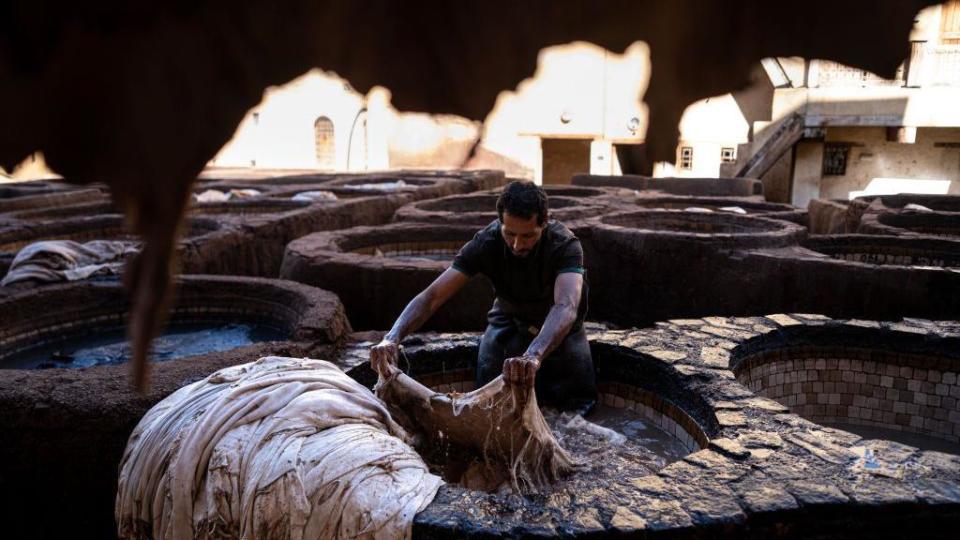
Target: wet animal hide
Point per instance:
(501, 423)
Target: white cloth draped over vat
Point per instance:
(52, 261)
(277, 448)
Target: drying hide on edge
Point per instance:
(501, 422)
(278, 448)
(52, 261)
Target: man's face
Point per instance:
(521, 235)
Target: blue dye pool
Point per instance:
(110, 346)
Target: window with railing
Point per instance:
(930, 64)
(686, 157)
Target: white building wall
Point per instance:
(279, 132)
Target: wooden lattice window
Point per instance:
(835, 159)
(950, 22)
(325, 148)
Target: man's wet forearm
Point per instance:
(413, 316)
(559, 321)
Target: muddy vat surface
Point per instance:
(649, 265)
(911, 223)
(724, 205)
(480, 209)
(377, 270)
(268, 224)
(698, 187)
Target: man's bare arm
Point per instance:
(427, 303)
(566, 303)
(415, 314)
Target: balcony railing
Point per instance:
(929, 65)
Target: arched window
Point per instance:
(325, 149)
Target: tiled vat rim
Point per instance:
(761, 461)
(893, 250)
(749, 231)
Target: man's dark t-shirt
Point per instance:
(524, 285)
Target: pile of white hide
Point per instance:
(277, 448)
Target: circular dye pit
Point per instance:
(52, 199)
(211, 315)
(905, 223)
(687, 222)
(86, 209)
(718, 229)
(644, 421)
(443, 251)
(693, 187)
(242, 207)
(199, 243)
(624, 433)
(940, 203)
(721, 204)
(876, 383)
(480, 209)
(64, 430)
(888, 250)
(416, 187)
(377, 270)
(652, 265)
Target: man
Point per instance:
(535, 328)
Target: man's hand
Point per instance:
(521, 369)
(383, 356)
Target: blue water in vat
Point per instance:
(110, 346)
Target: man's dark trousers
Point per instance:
(566, 378)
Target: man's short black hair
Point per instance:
(523, 199)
